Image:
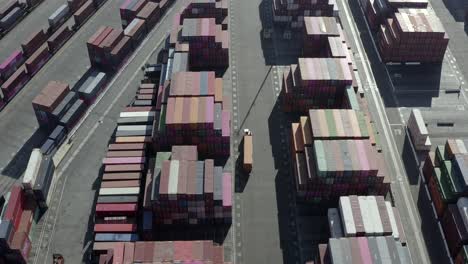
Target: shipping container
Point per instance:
(44, 179)
(64, 105)
(151, 13)
(75, 4)
(84, 12)
(7, 7)
(92, 86)
(32, 169)
(11, 18)
(47, 100)
(11, 64)
(33, 42)
(58, 39)
(35, 62)
(59, 16)
(73, 115)
(136, 30)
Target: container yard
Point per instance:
(145, 152)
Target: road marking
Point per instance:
(90, 132)
(390, 141)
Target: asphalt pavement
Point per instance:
(17, 120)
(33, 22)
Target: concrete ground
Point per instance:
(34, 21)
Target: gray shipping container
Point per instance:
(217, 120)
(6, 227)
(58, 17)
(200, 176)
(337, 254)
(66, 103)
(180, 63)
(403, 252)
(334, 222)
(143, 103)
(218, 184)
(48, 148)
(89, 89)
(392, 250)
(155, 184)
(44, 179)
(58, 135)
(7, 21)
(117, 199)
(374, 250)
(69, 119)
(383, 250)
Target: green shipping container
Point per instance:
(442, 186)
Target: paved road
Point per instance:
(17, 120)
(37, 19)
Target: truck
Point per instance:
(248, 151)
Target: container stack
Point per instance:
(412, 35)
(188, 191)
(108, 47)
(291, 13)
(192, 113)
(47, 101)
(363, 250)
(317, 32)
(129, 9)
(159, 252)
(18, 217)
(151, 13)
(446, 178)
(125, 165)
(206, 41)
(316, 83)
(217, 9)
(418, 131)
(334, 154)
(10, 65)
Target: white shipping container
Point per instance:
(347, 217)
(137, 114)
(375, 215)
(32, 169)
(131, 26)
(334, 221)
(366, 218)
(383, 250)
(461, 145)
(134, 128)
(119, 191)
(58, 15)
(173, 179)
(393, 223)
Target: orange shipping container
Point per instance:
(248, 153)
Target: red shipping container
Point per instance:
(14, 208)
(15, 83)
(59, 38)
(37, 60)
(116, 209)
(121, 176)
(118, 184)
(33, 42)
(85, 11)
(115, 228)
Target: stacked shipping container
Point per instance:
(160, 252)
(412, 35)
(291, 13)
(382, 249)
(192, 112)
(207, 42)
(316, 83)
(186, 190)
(418, 131)
(445, 171)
